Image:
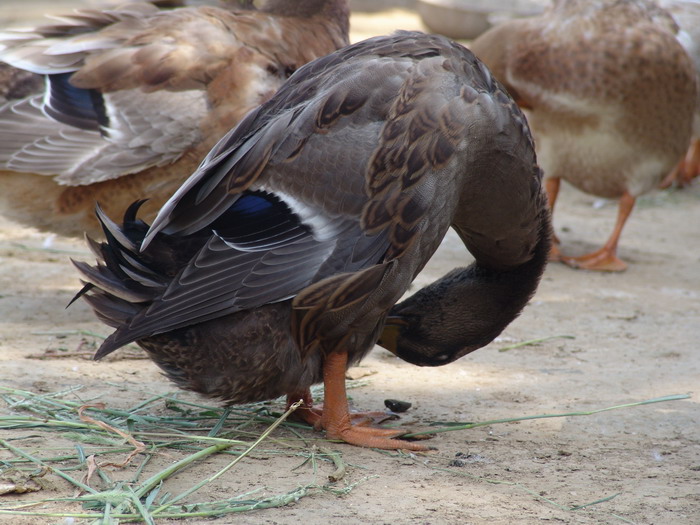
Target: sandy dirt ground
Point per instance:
(633, 336)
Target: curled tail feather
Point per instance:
(123, 281)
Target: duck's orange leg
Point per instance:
(606, 259)
(336, 419)
(687, 169)
(691, 164)
(675, 175)
(551, 186)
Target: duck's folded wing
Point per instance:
(260, 253)
(126, 90)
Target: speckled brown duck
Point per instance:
(610, 95)
(136, 97)
(686, 14)
(275, 265)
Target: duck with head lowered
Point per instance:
(276, 264)
(610, 95)
(136, 96)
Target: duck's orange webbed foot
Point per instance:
(602, 260)
(306, 412)
(364, 436)
(606, 259)
(312, 415)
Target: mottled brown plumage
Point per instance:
(276, 264)
(610, 95)
(138, 97)
(17, 84)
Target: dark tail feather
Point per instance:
(122, 283)
(86, 288)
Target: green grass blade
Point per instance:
(468, 426)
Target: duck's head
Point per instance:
(423, 341)
(463, 311)
(442, 322)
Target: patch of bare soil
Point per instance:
(635, 337)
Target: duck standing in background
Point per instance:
(136, 96)
(275, 265)
(686, 13)
(610, 95)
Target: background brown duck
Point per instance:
(686, 13)
(275, 265)
(137, 96)
(610, 95)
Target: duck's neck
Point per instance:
(465, 310)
